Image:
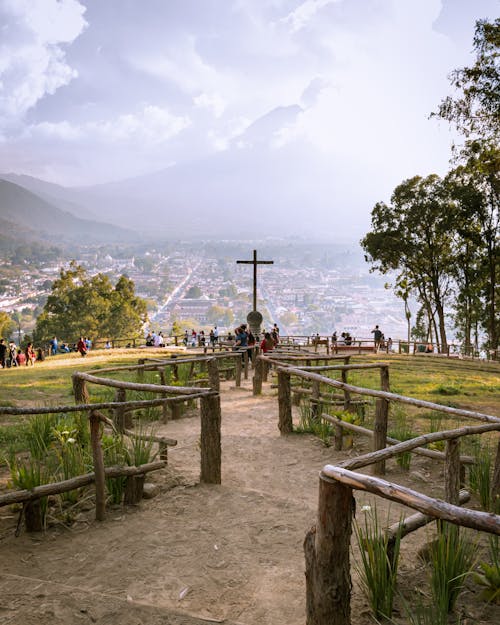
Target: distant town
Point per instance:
(310, 288)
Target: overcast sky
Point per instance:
(99, 90)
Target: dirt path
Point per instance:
(196, 553)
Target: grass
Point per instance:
(452, 560)
(378, 565)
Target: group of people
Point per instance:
(12, 356)
(83, 346)
(345, 339)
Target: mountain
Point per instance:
(59, 196)
(29, 217)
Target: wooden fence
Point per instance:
(210, 415)
(327, 544)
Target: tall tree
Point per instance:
(475, 110)
(90, 306)
(475, 185)
(412, 236)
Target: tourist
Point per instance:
(81, 347)
(211, 338)
(429, 348)
(20, 359)
(389, 345)
(12, 355)
(267, 344)
(108, 345)
(3, 354)
(193, 338)
(53, 346)
(377, 337)
(88, 344)
(216, 335)
(30, 355)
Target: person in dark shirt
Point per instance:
(3, 354)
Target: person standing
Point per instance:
(81, 347)
(12, 359)
(377, 338)
(53, 346)
(3, 354)
(30, 354)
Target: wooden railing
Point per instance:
(210, 440)
(327, 544)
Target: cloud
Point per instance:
(213, 102)
(152, 125)
(305, 12)
(32, 59)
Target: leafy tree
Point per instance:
(413, 237)
(475, 111)
(194, 292)
(6, 325)
(475, 186)
(218, 315)
(91, 306)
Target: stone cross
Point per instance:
(255, 262)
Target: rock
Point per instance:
(150, 490)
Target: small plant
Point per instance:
(27, 474)
(69, 458)
(41, 434)
(140, 449)
(480, 476)
(489, 575)
(452, 560)
(317, 426)
(379, 563)
(115, 454)
(402, 432)
(447, 389)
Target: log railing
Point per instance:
(210, 414)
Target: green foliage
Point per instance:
(379, 563)
(452, 560)
(489, 575)
(402, 432)
(447, 389)
(480, 475)
(140, 449)
(27, 474)
(13, 439)
(41, 434)
(317, 426)
(91, 306)
(115, 454)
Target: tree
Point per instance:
(194, 292)
(91, 306)
(218, 315)
(6, 325)
(475, 111)
(413, 237)
(475, 186)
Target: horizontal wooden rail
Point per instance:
(134, 386)
(132, 405)
(64, 486)
(425, 439)
(482, 521)
(156, 362)
(421, 451)
(419, 403)
(417, 520)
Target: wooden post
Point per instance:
(213, 374)
(237, 375)
(80, 390)
(285, 402)
(140, 372)
(119, 412)
(163, 451)
(452, 471)
(210, 439)
(326, 547)
(339, 433)
(265, 371)
(257, 376)
(97, 455)
(164, 408)
(347, 394)
(134, 487)
(315, 400)
(175, 369)
(245, 361)
(380, 425)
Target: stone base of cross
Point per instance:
(254, 320)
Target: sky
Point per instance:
(93, 91)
